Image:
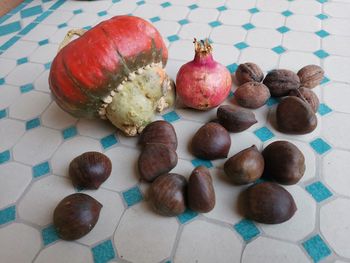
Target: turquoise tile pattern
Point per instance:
(255, 32)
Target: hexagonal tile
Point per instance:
(148, 10)
(310, 42)
(225, 54)
(226, 194)
(95, 128)
(10, 132)
(305, 8)
(158, 236)
(57, 17)
(167, 28)
(337, 68)
(332, 133)
(122, 176)
(266, 249)
(6, 65)
(228, 34)
(337, 26)
(37, 145)
(83, 19)
(44, 53)
(182, 50)
(14, 180)
(335, 169)
(174, 13)
(223, 243)
(42, 82)
(122, 7)
(202, 31)
(20, 49)
(44, 194)
(272, 5)
(337, 9)
(337, 45)
(110, 214)
(24, 74)
(63, 252)
(257, 38)
(234, 17)
(40, 32)
(265, 58)
(22, 237)
(303, 23)
(292, 229)
(243, 5)
(203, 15)
(68, 150)
(295, 60)
(268, 20)
(55, 117)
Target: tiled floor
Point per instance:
(38, 139)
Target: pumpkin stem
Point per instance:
(69, 36)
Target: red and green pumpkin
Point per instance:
(115, 71)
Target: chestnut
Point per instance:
(235, 118)
(89, 170)
(76, 215)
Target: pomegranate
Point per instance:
(203, 83)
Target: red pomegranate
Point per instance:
(114, 71)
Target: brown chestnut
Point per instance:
(159, 132)
(200, 190)
(156, 159)
(235, 118)
(308, 95)
(167, 194)
(268, 203)
(245, 167)
(284, 162)
(89, 170)
(211, 141)
(295, 116)
(76, 215)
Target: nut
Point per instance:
(308, 95)
(310, 76)
(248, 72)
(281, 81)
(235, 118)
(252, 95)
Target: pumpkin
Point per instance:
(114, 71)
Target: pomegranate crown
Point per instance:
(202, 47)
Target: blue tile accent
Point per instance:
(231, 94)
(7, 215)
(87, 27)
(41, 169)
(43, 42)
(173, 38)
(198, 162)
(194, 6)
(108, 141)
(321, 53)
(324, 80)
(186, 216)
(115, 1)
(9, 43)
(264, 134)
(320, 146)
(279, 49)
(232, 68)
(140, 2)
(62, 25)
(102, 13)
(19, 7)
(154, 19)
(132, 196)
(3, 113)
(49, 235)
(316, 248)
(283, 29)
(4, 18)
(47, 65)
(33, 123)
(22, 61)
(5, 156)
(248, 26)
(287, 13)
(31, 11)
(57, 4)
(78, 11)
(183, 22)
(246, 229)
(241, 45)
(253, 10)
(322, 16)
(323, 109)
(318, 191)
(2, 81)
(165, 4)
(26, 88)
(171, 116)
(222, 8)
(322, 1)
(69, 132)
(272, 101)
(43, 16)
(27, 29)
(215, 23)
(103, 252)
(10, 28)
(322, 33)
